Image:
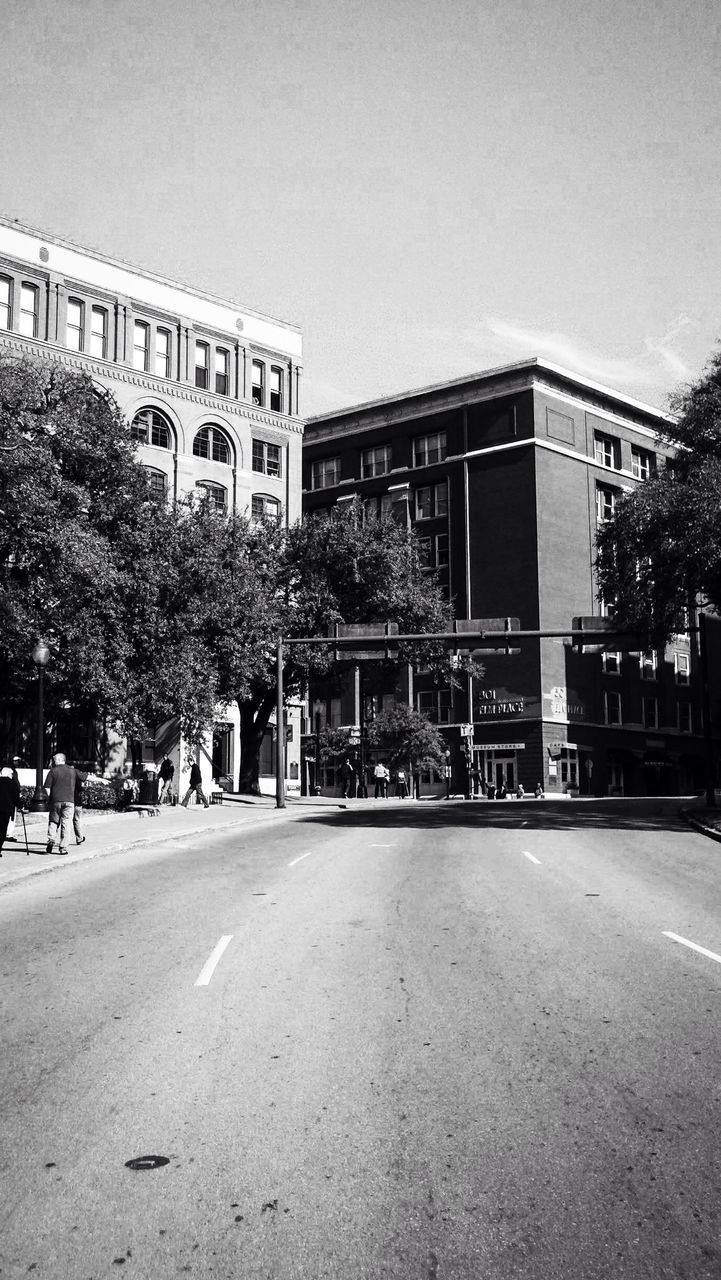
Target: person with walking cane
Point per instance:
(9, 800)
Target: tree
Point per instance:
(661, 550)
(260, 582)
(407, 738)
(82, 552)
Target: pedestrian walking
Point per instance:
(60, 782)
(380, 773)
(9, 800)
(166, 773)
(346, 777)
(78, 798)
(196, 785)
(11, 837)
(401, 784)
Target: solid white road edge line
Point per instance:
(531, 858)
(693, 945)
(206, 972)
(300, 859)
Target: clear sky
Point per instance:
(427, 188)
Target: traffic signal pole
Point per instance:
(478, 638)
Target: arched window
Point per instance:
(150, 427)
(158, 482)
(263, 507)
(212, 443)
(213, 494)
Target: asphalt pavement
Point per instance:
(424, 1041)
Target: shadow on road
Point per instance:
(643, 814)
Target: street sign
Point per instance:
(479, 627)
(365, 632)
(466, 730)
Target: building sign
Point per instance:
(496, 703)
(560, 703)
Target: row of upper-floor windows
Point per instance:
(432, 448)
(149, 426)
(378, 460)
(262, 505)
(87, 329)
(649, 665)
(607, 453)
(650, 709)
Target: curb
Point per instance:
(24, 872)
(701, 827)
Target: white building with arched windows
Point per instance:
(210, 390)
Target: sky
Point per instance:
(429, 189)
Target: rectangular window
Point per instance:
(605, 502)
(141, 345)
(6, 303)
(649, 665)
(431, 500)
(433, 551)
(325, 473)
(607, 451)
(162, 353)
(99, 332)
(202, 365)
(612, 663)
(642, 463)
(684, 717)
(28, 311)
(222, 371)
(266, 458)
(375, 462)
(276, 389)
(258, 382)
(612, 701)
(428, 449)
(436, 704)
(74, 326)
(650, 712)
(682, 667)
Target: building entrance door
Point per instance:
(500, 767)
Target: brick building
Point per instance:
(505, 476)
(210, 390)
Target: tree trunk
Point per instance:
(253, 724)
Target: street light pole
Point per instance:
(39, 802)
(279, 736)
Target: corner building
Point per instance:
(211, 391)
(506, 476)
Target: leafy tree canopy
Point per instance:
(662, 547)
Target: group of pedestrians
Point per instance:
(65, 787)
(382, 780)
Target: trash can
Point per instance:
(148, 790)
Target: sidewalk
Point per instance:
(107, 833)
(703, 819)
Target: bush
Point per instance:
(96, 795)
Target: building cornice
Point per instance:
(162, 388)
(490, 384)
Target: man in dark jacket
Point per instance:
(60, 782)
(9, 800)
(196, 785)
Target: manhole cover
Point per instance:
(147, 1162)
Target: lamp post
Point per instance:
(39, 802)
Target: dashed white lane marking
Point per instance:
(693, 945)
(381, 846)
(208, 968)
(531, 858)
(300, 859)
